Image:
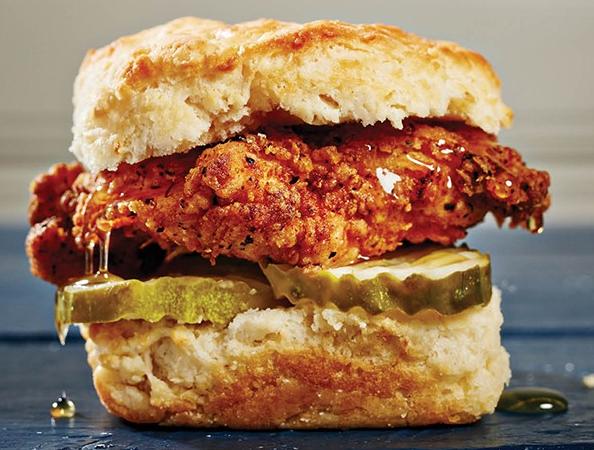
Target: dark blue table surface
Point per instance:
(548, 287)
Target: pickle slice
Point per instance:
(187, 299)
(446, 279)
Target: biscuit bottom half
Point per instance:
(303, 367)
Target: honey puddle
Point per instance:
(532, 400)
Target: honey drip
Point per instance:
(104, 254)
(91, 277)
(101, 275)
(61, 330)
(89, 255)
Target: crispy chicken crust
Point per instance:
(299, 195)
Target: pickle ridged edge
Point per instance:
(450, 294)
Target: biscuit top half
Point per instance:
(194, 82)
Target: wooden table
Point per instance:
(548, 287)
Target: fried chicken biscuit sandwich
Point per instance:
(261, 229)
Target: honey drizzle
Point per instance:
(84, 212)
(91, 277)
(62, 331)
(104, 254)
(89, 255)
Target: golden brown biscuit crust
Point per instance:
(193, 81)
(316, 391)
(303, 367)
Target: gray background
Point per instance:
(541, 49)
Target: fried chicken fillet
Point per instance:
(300, 195)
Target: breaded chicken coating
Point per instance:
(298, 195)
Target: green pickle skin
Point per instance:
(218, 298)
(448, 295)
(187, 299)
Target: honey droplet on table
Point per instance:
(588, 380)
(532, 400)
(63, 408)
